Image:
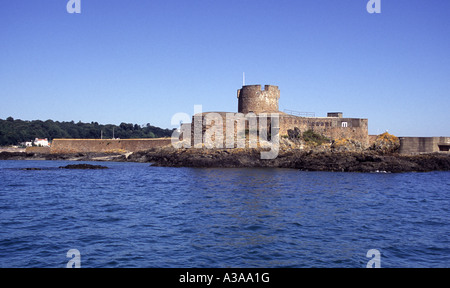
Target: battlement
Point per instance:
(260, 88)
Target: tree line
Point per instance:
(16, 131)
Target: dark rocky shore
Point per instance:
(365, 161)
(362, 161)
(68, 157)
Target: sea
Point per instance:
(134, 215)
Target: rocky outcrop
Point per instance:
(83, 167)
(346, 145)
(15, 155)
(385, 144)
(366, 161)
(68, 157)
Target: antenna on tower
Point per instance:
(243, 79)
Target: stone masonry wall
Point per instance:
(261, 103)
(331, 127)
(252, 99)
(413, 145)
(68, 146)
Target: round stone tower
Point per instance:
(251, 98)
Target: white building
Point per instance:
(41, 142)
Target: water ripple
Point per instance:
(135, 215)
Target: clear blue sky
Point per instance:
(141, 62)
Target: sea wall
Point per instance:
(69, 146)
(415, 145)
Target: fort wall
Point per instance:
(252, 98)
(214, 124)
(331, 127)
(416, 145)
(70, 146)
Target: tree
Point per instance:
(13, 132)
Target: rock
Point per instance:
(345, 144)
(386, 144)
(83, 166)
(294, 134)
(15, 155)
(345, 161)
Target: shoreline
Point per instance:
(361, 161)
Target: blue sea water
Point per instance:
(136, 215)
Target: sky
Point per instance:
(141, 62)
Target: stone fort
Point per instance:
(257, 102)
